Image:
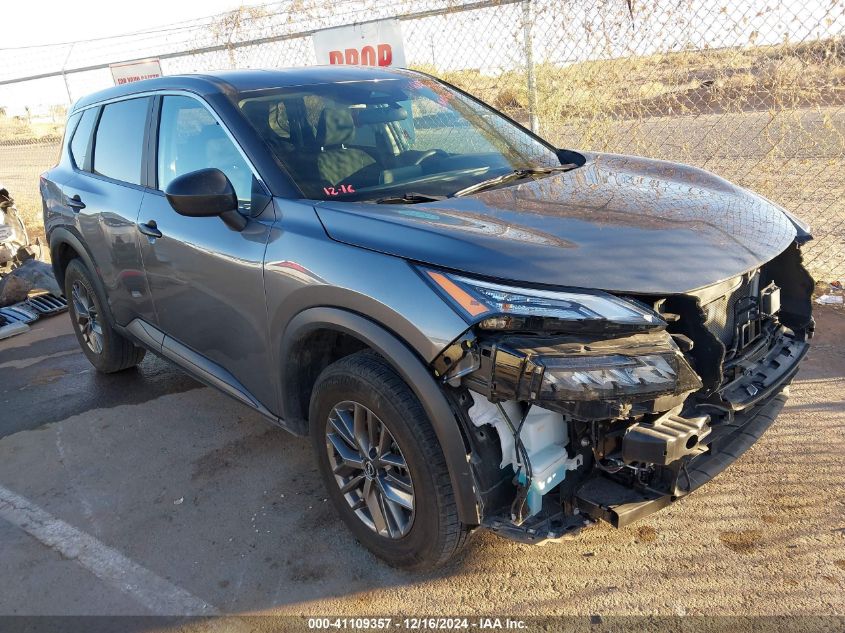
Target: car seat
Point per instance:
(336, 162)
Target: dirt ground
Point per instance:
(145, 493)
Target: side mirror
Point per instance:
(205, 193)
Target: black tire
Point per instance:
(435, 534)
(113, 352)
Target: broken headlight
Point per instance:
(585, 377)
(607, 377)
(497, 307)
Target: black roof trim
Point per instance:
(237, 81)
(199, 84)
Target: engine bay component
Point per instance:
(536, 449)
(665, 439)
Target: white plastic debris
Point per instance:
(179, 501)
(831, 299)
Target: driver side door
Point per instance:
(206, 279)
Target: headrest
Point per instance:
(335, 127)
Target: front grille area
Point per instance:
(721, 314)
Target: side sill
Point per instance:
(196, 365)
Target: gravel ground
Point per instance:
(184, 492)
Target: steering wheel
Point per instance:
(428, 154)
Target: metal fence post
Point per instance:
(528, 44)
(64, 74)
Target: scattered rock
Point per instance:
(31, 275)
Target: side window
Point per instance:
(190, 138)
(81, 137)
(118, 145)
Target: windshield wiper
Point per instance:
(516, 174)
(409, 198)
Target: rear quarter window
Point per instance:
(81, 138)
(118, 146)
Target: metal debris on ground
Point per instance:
(19, 313)
(833, 294)
(28, 287)
(11, 328)
(47, 303)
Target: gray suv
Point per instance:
(477, 329)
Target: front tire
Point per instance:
(382, 464)
(104, 347)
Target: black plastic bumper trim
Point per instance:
(705, 467)
(603, 498)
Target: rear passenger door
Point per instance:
(106, 193)
(207, 279)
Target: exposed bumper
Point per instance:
(600, 497)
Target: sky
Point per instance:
(25, 23)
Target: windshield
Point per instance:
(366, 140)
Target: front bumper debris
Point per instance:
(652, 415)
(602, 497)
(762, 374)
(665, 440)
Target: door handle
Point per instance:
(75, 203)
(150, 229)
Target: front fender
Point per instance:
(414, 373)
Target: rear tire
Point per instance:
(102, 345)
(427, 534)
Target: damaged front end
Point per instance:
(583, 406)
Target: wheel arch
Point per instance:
(66, 245)
(358, 332)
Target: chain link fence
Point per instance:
(750, 89)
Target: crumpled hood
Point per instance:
(618, 223)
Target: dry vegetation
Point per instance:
(18, 129)
(690, 82)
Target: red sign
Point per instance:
(379, 55)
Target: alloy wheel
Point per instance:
(370, 469)
(86, 317)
